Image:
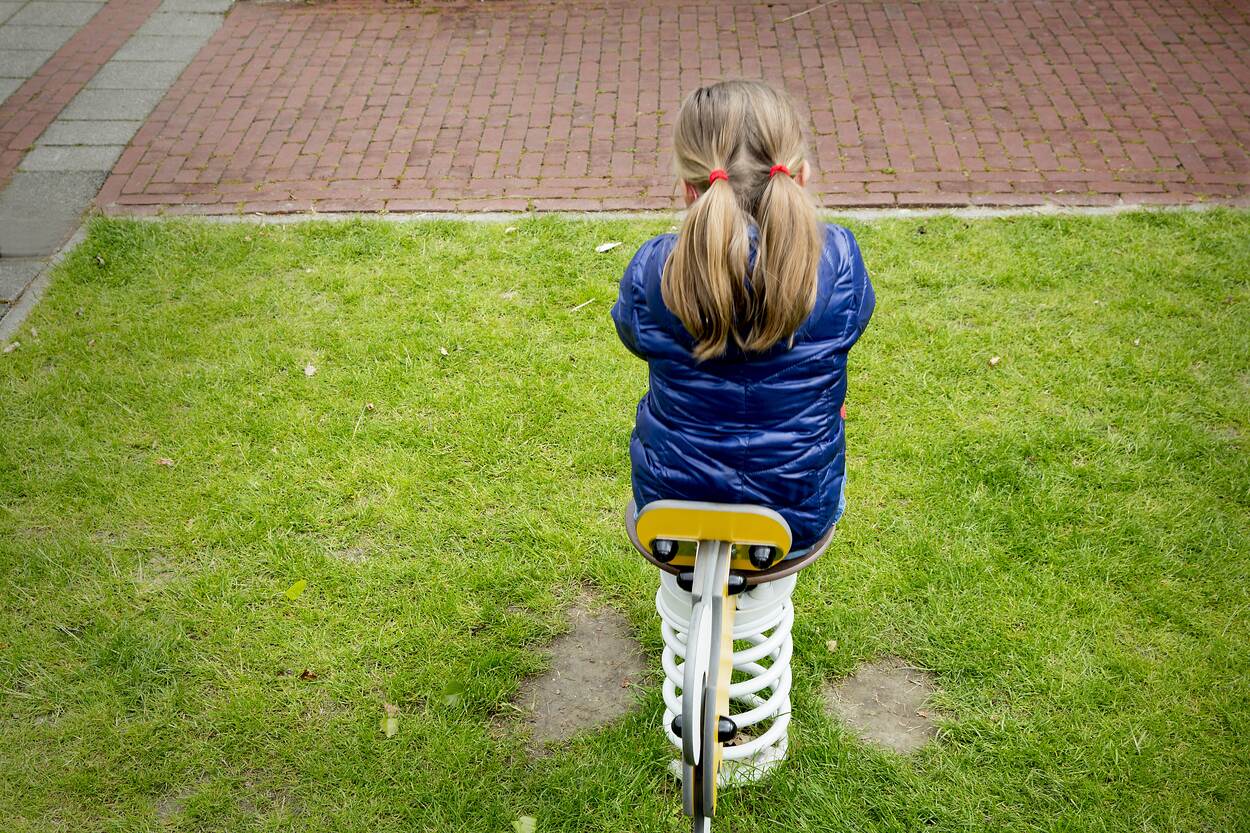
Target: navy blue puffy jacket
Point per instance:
(763, 428)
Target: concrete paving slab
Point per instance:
(112, 105)
(8, 9)
(180, 23)
(15, 274)
(22, 63)
(8, 86)
(52, 38)
(40, 209)
(136, 75)
(160, 48)
(71, 133)
(55, 14)
(197, 6)
(19, 310)
(97, 158)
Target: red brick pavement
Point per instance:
(515, 104)
(26, 113)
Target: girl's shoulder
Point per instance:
(644, 323)
(844, 297)
(840, 253)
(838, 314)
(838, 238)
(647, 264)
(841, 249)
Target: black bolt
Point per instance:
(664, 550)
(761, 556)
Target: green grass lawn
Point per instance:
(1063, 537)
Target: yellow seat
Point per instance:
(689, 522)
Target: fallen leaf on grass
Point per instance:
(607, 247)
(307, 675)
(509, 230)
(831, 646)
(310, 369)
(453, 693)
(443, 350)
(525, 824)
(165, 461)
(296, 590)
(994, 360)
(9, 348)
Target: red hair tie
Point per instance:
(719, 173)
(778, 169)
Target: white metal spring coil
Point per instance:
(763, 620)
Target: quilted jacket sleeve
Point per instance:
(630, 308)
(865, 297)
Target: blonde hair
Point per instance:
(744, 128)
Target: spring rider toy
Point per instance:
(724, 579)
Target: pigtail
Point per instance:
(702, 282)
(783, 282)
(704, 279)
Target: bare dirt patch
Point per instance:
(358, 553)
(591, 681)
(263, 802)
(886, 702)
(1229, 433)
(154, 572)
(169, 806)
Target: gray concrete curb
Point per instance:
(864, 214)
(16, 315)
(504, 217)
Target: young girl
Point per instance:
(745, 318)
